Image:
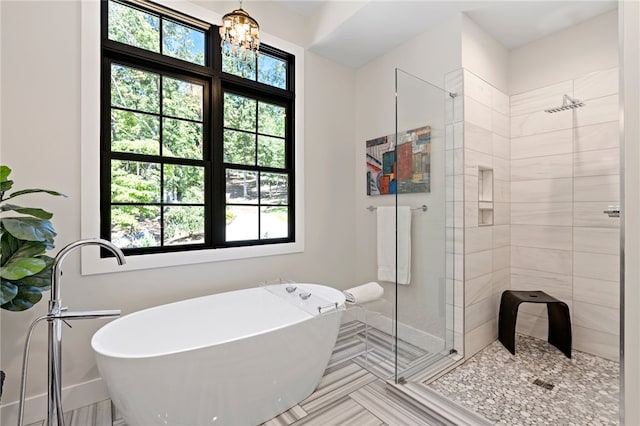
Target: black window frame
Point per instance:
(216, 83)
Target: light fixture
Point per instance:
(240, 34)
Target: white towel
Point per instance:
(387, 225)
(364, 293)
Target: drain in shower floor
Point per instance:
(543, 384)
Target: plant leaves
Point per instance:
(42, 279)
(8, 245)
(31, 191)
(6, 185)
(29, 228)
(5, 171)
(25, 249)
(27, 297)
(8, 291)
(20, 268)
(39, 213)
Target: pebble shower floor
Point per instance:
(580, 391)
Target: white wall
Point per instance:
(630, 103)
(40, 140)
(484, 56)
(578, 50)
(428, 56)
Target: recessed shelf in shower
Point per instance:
(485, 196)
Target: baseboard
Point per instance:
(73, 397)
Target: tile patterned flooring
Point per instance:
(494, 383)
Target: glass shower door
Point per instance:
(425, 197)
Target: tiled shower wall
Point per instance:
(486, 241)
(564, 173)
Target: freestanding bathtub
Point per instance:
(236, 358)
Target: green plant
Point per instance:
(25, 235)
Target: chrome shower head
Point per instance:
(567, 103)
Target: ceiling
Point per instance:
(363, 30)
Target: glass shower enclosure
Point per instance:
(427, 333)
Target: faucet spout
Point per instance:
(62, 254)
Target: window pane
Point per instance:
(239, 112)
(135, 89)
(183, 184)
(271, 119)
(183, 225)
(135, 226)
(134, 27)
(274, 222)
(274, 188)
(242, 187)
(242, 223)
(182, 42)
(270, 152)
(135, 182)
(272, 71)
(235, 65)
(181, 139)
(239, 147)
(134, 132)
(182, 99)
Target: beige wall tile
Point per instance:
(477, 264)
(501, 146)
(606, 345)
(540, 99)
(501, 214)
(599, 110)
(478, 288)
(547, 167)
(560, 214)
(479, 313)
(597, 136)
(597, 292)
(557, 285)
(501, 258)
(477, 113)
(500, 101)
(501, 235)
(552, 143)
(500, 124)
(478, 138)
(540, 122)
(596, 317)
(538, 259)
(478, 89)
(596, 188)
(480, 337)
(597, 163)
(591, 215)
(542, 190)
(597, 240)
(478, 239)
(597, 266)
(551, 237)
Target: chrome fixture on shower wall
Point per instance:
(567, 103)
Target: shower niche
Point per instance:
(485, 196)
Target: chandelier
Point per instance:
(240, 34)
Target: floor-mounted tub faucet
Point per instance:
(57, 314)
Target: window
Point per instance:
(197, 148)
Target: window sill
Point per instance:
(92, 263)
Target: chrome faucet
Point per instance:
(58, 314)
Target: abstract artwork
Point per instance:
(404, 167)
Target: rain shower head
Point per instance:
(567, 103)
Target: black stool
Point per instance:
(558, 312)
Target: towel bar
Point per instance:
(423, 207)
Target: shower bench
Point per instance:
(557, 311)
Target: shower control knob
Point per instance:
(305, 295)
(612, 211)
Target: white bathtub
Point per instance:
(236, 358)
